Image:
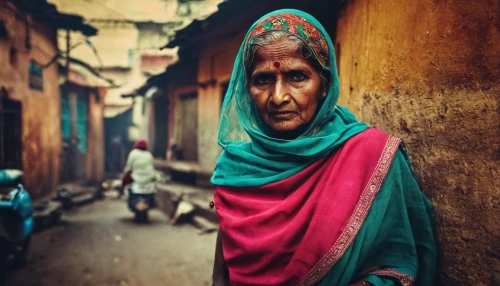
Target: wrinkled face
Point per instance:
(284, 86)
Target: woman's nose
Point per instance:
(280, 94)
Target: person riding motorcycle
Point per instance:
(139, 167)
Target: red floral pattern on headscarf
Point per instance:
(298, 26)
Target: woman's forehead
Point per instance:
(281, 49)
(299, 26)
(281, 61)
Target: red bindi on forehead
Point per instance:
(277, 65)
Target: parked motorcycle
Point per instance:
(141, 199)
(16, 218)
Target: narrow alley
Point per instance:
(249, 142)
(101, 244)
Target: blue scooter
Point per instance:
(16, 219)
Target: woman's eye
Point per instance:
(262, 79)
(297, 76)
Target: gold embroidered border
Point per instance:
(405, 279)
(358, 216)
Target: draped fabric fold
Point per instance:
(296, 230)
(335, 205)
(395, 245)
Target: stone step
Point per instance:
(202, 208)
(76, 194)
(83, 199)
(169, 195)
(46, 214)
(185, 171)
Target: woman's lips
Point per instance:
(282, 115)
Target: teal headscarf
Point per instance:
(253, 158)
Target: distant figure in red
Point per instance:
(139, 167)
(141, 145)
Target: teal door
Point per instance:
(81, 121)
(74, 112)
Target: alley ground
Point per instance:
(100, 244)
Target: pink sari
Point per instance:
(284, 233)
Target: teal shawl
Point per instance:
(253, 158)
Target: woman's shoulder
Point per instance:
(372, 137)
(372, 133)
(371, 143)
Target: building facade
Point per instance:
(82, 122)
(127, 50)
(30, 129)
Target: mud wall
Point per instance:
(214, 73)
(41, 131)
(181, 79)
(428, 72)
(95, 131)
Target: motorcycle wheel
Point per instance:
(22, 252)
(141, 216)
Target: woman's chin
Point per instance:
(286, 131)
(284, 127)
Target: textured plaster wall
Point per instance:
(41, 115)
(216, 62)
(95, 129)
(428, 72)
(177, 110)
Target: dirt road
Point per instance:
(100, 244)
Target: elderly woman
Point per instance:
(305, 194)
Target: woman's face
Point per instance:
(284, 86)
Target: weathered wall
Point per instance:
(41, 131)
(181, 78)
(95, 139)
(428, 71)
(215, 63)
(177, 111)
